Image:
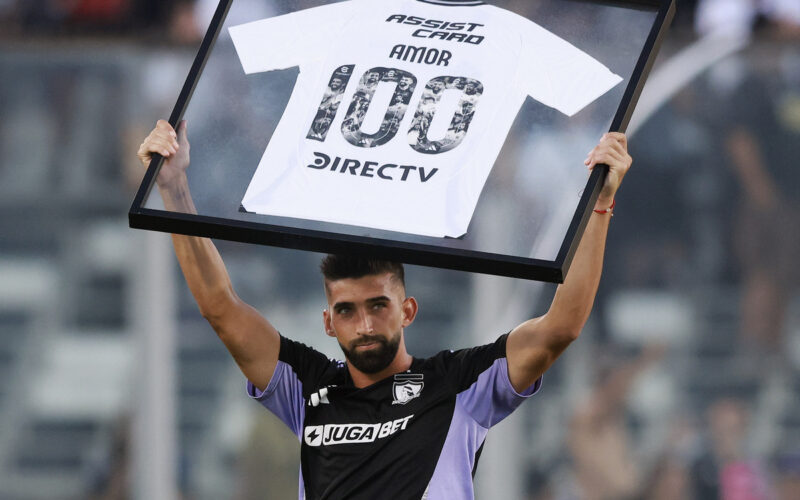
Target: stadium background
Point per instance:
(684, 385)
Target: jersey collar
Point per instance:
(417, 365)
(454, 3)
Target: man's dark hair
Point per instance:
(337, 267)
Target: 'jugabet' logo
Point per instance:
(333, 434)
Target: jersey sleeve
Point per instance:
(299, 367)
(558, 74)
(285, 41)
(480, 376)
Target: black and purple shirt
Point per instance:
(415, 435)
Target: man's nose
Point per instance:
(364, 323)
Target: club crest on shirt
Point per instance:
(407, 386)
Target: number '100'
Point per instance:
(405, 83)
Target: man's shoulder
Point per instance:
(311, 365)
(445, 358)
(291, 347)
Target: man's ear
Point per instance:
(327, 323)
(410, 308)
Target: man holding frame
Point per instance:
(384, 424)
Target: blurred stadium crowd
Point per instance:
(686, 384)
(97, 17)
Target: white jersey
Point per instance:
(402, 106)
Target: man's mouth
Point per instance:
(367, 345)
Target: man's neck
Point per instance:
(402, 362)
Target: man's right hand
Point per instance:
(250, 338)
(173, 146)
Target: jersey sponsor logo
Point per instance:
(407, 386)
(441, 30)
(432, 23)
(333, 434)
(371, 169)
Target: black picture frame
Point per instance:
(554, 271)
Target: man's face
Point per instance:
(437, 87)
(373, 77)
(367, 316)
(336, 83)
(405, 83)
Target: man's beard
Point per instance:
(375, 359)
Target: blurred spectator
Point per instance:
(8, 17)
(660, 256)
(726, 471)
(725, 17)
(738, 17)
(37, 15)
(763, 143)
(267, 466)
(784, 14)
(599, 441)
(787, 475)
(109, 473)
(109, 17)
(57, 16)
(684, 16)
(670, 480)
(242, 11)
(183, 25)
(671, 476)
(97, 11)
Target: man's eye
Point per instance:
(379, 305)
(343, 310)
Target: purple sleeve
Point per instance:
(480, 375)
(283, 397)
(491, 398)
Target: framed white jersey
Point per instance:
(401, 107)
(448, 133)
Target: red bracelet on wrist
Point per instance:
(609, 210)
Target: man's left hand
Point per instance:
(612, 150)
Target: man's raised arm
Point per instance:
(252, 341)
(534, 345)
